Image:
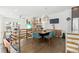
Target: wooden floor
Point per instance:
(2, 49)
(57, 46)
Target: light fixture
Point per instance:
(45, 16)
(68, 18)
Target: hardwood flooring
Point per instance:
(2, 49)
(57, 46)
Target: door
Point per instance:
(76, 24)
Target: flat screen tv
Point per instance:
(54, 21)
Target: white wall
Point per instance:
(0, 30)
(3, 20)
(63, 24)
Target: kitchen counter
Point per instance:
(72, 42)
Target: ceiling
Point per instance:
(26, 11)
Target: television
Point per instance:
(54, 21)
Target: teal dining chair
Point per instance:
(50, 37)
(36, 37)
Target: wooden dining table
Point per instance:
(42, 34)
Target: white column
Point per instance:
(0, 30)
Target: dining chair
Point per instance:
(50, 37)
(36, 36)
(35, 40)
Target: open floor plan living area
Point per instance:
(39, 29)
